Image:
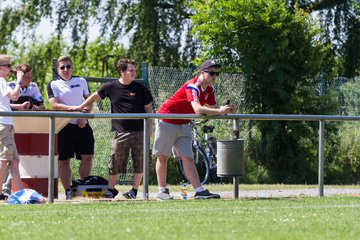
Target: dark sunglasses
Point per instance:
(6, 65)
(67, 67)
(213, 73)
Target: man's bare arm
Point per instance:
(212, 110)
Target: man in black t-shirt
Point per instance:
(126, 96)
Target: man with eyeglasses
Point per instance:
(174, 135)
(8, 152)
(77, 137)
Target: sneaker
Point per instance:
(68, 194)
(205, 195)
(6, 192)
(3, 197)
(164, 194)
(130, 194)
(110, 193)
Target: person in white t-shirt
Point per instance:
(77, 137)
(8, 150)
(30, 99)
(30, 96)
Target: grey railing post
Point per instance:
(236, 187)
(321, 157)
(146, 159)
(235, 135)
(52, 159)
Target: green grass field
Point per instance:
(279, 218)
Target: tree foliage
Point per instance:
(159, 29)
(341, 20)
(280, 53)
(156, 28)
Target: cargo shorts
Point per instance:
(8, 151)
(122, 145)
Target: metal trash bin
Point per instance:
(230, 158)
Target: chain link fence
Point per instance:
(163, 82)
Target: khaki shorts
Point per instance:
(8, 151)
(175, 138)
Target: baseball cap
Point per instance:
(209, 63)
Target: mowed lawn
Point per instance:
(335, 217)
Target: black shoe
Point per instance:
(3, 197)
(68, 194)
(110, 193)
(130, 194)
(205, 195)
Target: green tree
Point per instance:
(341, 21)
(280, 52)
(158, 29)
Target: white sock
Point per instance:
(200, 189)
(162, 189)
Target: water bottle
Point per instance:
(184, 191)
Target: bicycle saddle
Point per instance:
(208, 129)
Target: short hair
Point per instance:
(123, 64)
(63, 58)
(5, 58)
(23, 67)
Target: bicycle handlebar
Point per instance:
(205, 128)
(197, 123)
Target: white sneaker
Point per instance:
(164, 194)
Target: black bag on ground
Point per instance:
(90, 180)
(95, 180)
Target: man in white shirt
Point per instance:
(8, 151)
(77, 137)
(30, 96)
(30, 99)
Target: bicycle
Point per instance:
(204, 149)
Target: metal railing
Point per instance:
(265, 117)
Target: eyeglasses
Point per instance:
(5, 65)
(67, 67)
(213, 73)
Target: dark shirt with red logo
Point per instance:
(180, 101)
(126, 99)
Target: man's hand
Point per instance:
(86, 109)
(26, 105)
(19, 77)
(233, 108)
(227, 109)
(35, 108)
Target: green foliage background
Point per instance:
(278, 51)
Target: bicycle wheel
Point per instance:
(201, 164)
